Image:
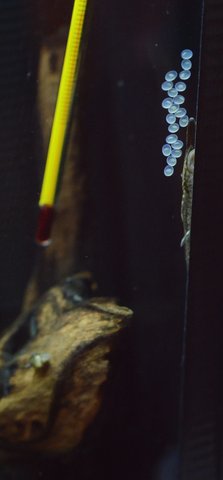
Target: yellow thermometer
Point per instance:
(60, 122)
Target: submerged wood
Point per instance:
(53, 362)
(58, 260)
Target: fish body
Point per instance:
(187, 189)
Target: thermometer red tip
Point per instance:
(44, 225)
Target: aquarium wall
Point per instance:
(121, 225)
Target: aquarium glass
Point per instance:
(116, 214)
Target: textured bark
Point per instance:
(53, 363)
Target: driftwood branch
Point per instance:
(53, 361)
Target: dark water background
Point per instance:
(131, 227)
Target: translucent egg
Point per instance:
(178, 145)
(166, 150)
(171, 138)
(180, 86)
(185, 74)
(168, 171)
(183, 122)
(181, 112)
(186, 54)
(173, 128)
(166, 86)
(186, 64)
(179, 100)
(172, 92)
(167, 102)
(171, 118)
(176, 153)
(173, 109)
(170, 76)
(171, 161)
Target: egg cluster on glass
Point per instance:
(176, 114)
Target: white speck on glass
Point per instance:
(186, 54)
(171, 118)
(185, 74)
(171, 138)
(168, 171)
(176, 153)
(178, 145)
(170, 76)
(173, 108)
(171, 161)
(179, 100)
(166, 150)
(186, 64)
(172, 92)
(181, 112)
(166, 86)
(167, 102)
(183, 122)
(180, 86)
(173, 128)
